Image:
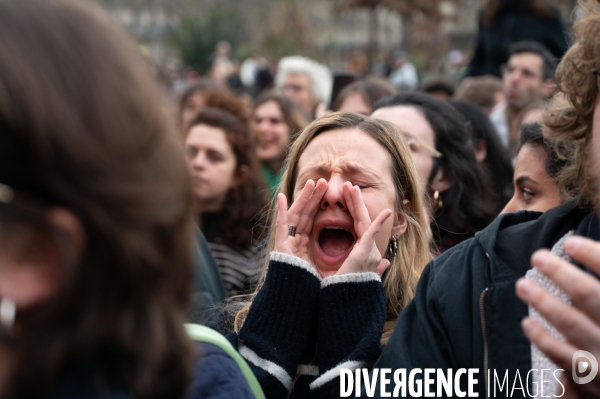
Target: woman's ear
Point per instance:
(70, 227)
(242, 173)
(481, 150)
(441, 182)
(400, 222)
(32, 278)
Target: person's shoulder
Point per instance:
(217, 375)
(79, 380)
(459, 265)
(467, 260)
(223, 319)
(210, 352)
(465, 249)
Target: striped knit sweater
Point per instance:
(239, 269)
(302, 329)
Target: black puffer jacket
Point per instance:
(465, 313)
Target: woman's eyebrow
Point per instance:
(315, 170)
(354, 168)
(524, 179)
(357, 168)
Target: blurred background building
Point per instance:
(344, 34)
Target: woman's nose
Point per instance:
(199, 160)
(334, 196)
(263, 125)
(512, 206)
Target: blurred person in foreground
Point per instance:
(228, 193)
(305, 81)
(277, 121)
(96, 235)
(504, 22)
(360, 97)
(536, 170)
(466, 313)
(348, 243)
(528, 80)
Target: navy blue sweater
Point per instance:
(217, 376)
(301, 329)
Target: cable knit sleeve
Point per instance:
(281, 323)
(350, 324)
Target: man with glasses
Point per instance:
(527, 79)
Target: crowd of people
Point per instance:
(311, 227)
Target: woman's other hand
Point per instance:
(365, 256)
(580, 323)
(301, 214)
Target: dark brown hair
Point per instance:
(293, 114)
(532, 135)
(469, 204)
(224, 99)
(203, 86)
(79, 100)
(244, 203)
(480, 90)
(371, 89)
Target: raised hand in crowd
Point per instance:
(580, 323)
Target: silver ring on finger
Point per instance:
(291, 230)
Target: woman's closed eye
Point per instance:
(362, 186)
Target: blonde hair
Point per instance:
(568, 118)
(400, 279)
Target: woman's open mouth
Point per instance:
(335, 240)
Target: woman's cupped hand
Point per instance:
(364, 256)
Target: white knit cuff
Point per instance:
(350, 278)
(294, 261)
(272, 368)
(335, 373)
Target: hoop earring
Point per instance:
(8, 311)
(437, 200)
(392, 251)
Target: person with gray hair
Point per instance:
(305, 81)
